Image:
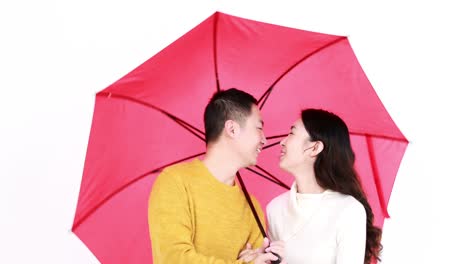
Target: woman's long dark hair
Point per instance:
(334, 168)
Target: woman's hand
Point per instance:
(277, 247)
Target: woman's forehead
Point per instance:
(298, 124)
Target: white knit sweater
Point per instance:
(326, 228)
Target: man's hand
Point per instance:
(248, 254)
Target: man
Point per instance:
(197, 213)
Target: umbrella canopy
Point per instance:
(153, 117)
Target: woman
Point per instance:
(325, 218)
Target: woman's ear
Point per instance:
(316, 148)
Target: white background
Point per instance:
(55, 55)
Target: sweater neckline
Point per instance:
(318, 198)
(212, 179)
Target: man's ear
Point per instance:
(231, 128)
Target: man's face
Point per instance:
(251, 137)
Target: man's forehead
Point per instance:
(258, 119)
(256, 113)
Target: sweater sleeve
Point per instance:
(170, 225)
(351, 235)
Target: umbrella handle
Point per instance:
(254, 212)
(252, 208)
(278, 261)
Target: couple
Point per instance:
(198, 214)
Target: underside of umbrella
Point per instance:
(153, 117)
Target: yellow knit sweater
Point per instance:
(194, 218)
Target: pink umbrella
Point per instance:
(153, 117)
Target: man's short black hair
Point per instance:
(232, 104)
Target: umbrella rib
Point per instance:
(282, 184)
(375, 174)
(123, 187)
(187, 126)
(175, 162)
(268, 178)
(271, 145)
(267, 93)
(352, 133)
(184, 124)
(379, 136)
(261, 175)
(277, 136)
(195, 131)
(215, 49)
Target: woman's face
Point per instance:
(294, 148)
